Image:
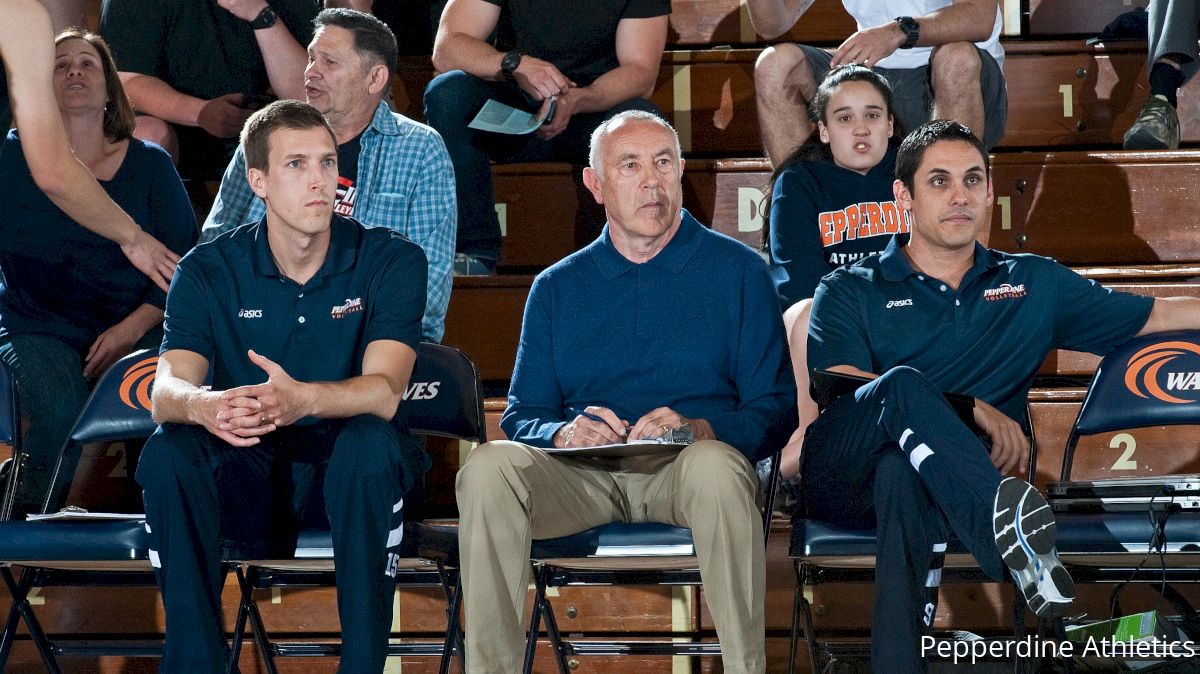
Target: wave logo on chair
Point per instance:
(135, 385)
(1145, 374)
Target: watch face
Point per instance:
(510, 62)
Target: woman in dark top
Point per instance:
(71, 303)
(831, 204)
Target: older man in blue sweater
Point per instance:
(658, 323)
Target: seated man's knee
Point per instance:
(171, 451)
(776, 65)
(902, 379)
(449, 98)
(365, 448)
(715, 469)
(487, 468)
(956, 65)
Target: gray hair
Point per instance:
(629, 115)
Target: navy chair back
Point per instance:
(117, 409)
(443, 398)
(1153, 380)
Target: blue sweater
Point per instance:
(61, 279)
(696, 329)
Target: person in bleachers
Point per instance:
(196, 69)
(830, 205)
(310, 323)
(71, 304)
(658, 325)
(942, 57)
(938, 312)
(26, 64)
(392, 172)
(573, 64)
(1174, 29)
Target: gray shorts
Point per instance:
(912, 96)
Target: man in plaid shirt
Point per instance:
(394, 172)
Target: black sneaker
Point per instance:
(1156, 128)
(1025, 530)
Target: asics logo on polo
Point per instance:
(250, 313)
(899, 303)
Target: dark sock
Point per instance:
(1165, 81)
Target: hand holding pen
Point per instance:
(592, 426)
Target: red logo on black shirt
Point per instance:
(347, 307)
(347, 194)
(1006, 291)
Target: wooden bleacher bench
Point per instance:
(1061, 94)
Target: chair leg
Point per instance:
(257, 628)
(794, 635)
(455, 641)
(556, 640)
(810, 630)
(14, 618)
(541, 606)
(239, 625)
(20, 592)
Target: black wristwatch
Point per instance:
(912, 31)
(265, 19)
(508, 64)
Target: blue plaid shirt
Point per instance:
(406, 183)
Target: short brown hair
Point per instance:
(256, 135)
(118, 111)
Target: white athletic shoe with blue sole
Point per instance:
(1025, 531)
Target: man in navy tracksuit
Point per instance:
(310, 324)
(936, 312)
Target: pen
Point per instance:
(588, 415)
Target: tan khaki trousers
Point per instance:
(509, 494)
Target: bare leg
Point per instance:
(954, 71)
(783, 86)
(795, 323)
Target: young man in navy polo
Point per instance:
(309, 323)
(936, 312)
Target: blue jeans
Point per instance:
(451, 101)
(51, 390)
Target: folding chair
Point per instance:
(1153, 380)
(445, 402)
(824, 553)
(665, 558)
(83, 553)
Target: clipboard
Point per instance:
(826, 386)
(618, 450)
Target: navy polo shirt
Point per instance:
(987, 339)
(228, 296)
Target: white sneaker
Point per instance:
(1025, 531)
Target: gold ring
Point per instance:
(665, 429)
(263, 419)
